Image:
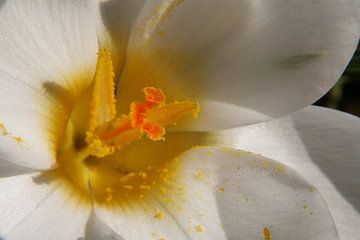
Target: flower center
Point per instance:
(94, 152)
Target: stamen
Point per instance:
(173, 112)
(152, 115)
(103, 102)
(145, 118)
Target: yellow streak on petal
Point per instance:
(103, 103)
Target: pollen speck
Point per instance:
(266, 163)
(127, 177)
(246, 198)
(279, 169)
(5, 132)
(159, 215)
(199, 175)
(199, 229)
(143, 174)
(267, 235)
(18, 139)
(128, 187)
(3, 129)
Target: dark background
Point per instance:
(345, 95)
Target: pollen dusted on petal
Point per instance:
(5, 132)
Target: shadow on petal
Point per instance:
(46, 177)
(1, 4)
(118, 18)
(8, 169)
(257, 197)
(333, 146)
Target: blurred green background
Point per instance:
(345, 95)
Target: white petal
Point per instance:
(137, 221)
(237, 195)
(244, 61)
(48, 54)
(114, 22)
(323, 146)
(98, 230)
(35, 206)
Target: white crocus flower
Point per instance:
(76, 163)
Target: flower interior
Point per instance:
(108, 155)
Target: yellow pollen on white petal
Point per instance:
(5, 132)
(115, 157)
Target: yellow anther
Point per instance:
(173, 112)
(103, 102)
